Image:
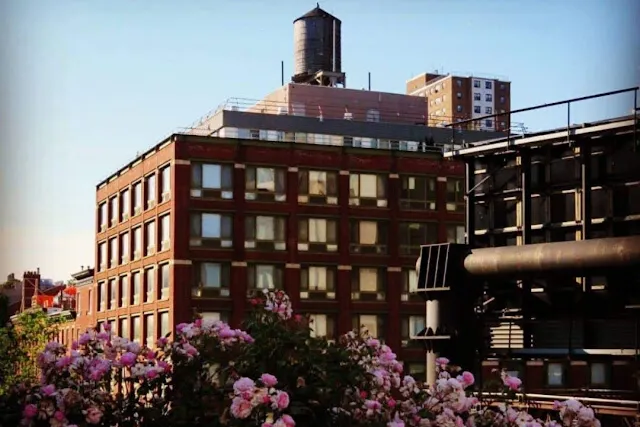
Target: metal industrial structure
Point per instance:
(547, 285)
(317, 49)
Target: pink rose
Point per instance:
(180, 327)
(162, 342)
(243, 384)
(30, 411)
(513, 383)
(288, 421)
(152, 373)
(268, 380)
(442, 361)
(281, 400)
(241, 408)
(468, 378)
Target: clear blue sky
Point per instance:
(86, 84)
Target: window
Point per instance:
(476, 83)
(476, 96)
(149, 284)
(165, 183)
(123, 328)
(413, 235)
(418, 192)
(322, 326)
(317, 282)
(137, 198)
(488, 123)
(317, 234)
(212, 280)
(373, 324)
(137, 243)
(488, 85)
(113, 211)
(165, 327)
(165, 232)
(137, 332)
(124, 291)
(317, 187)
(102, 296)
(368, 283)
(459, 95)
(488, 110)
(456, 234)
(502, 100)
(150, 330)
(113, 252)
(135, 280)
(455, 195)
(488, 97)
(215, 315)
(368, 237)
(459, 108)
(459, 83)
(102, 216)
(367, 190)
(265, 232)
(164, 281)
(90, 302)
(265, 184)
(562, 207)
(477, 109)
(102, 256)
(125, 248)
(409, 285)
(150, 238)
(112, 294)
(212, 230)
(125, 205)
(598, 375)
(555, 374)
(411, 327)
(150, 191)
(263, 276)
(212, 181)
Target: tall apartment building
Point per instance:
(197, 224)
(455, 98)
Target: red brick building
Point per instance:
(197, 223)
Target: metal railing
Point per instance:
(568, 103)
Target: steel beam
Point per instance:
(569, 258)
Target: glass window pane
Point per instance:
(368, 232)
(354, 182)
(211, 176)
(211, 225)
(368, 186)
(318, 325)
(317, 230)
(417, 324)
(211, 275)
(317, 278)
(266, 178)
(368, 278)
(265, 228)
(598, 374)
(370, 322)
(317, 183)
(554, 374)
(413, 280)
(265, 276)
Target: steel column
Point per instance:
(469, 178)
(433, 321)
(525, 226)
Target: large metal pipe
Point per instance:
(570, 258)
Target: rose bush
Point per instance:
(272, 374)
